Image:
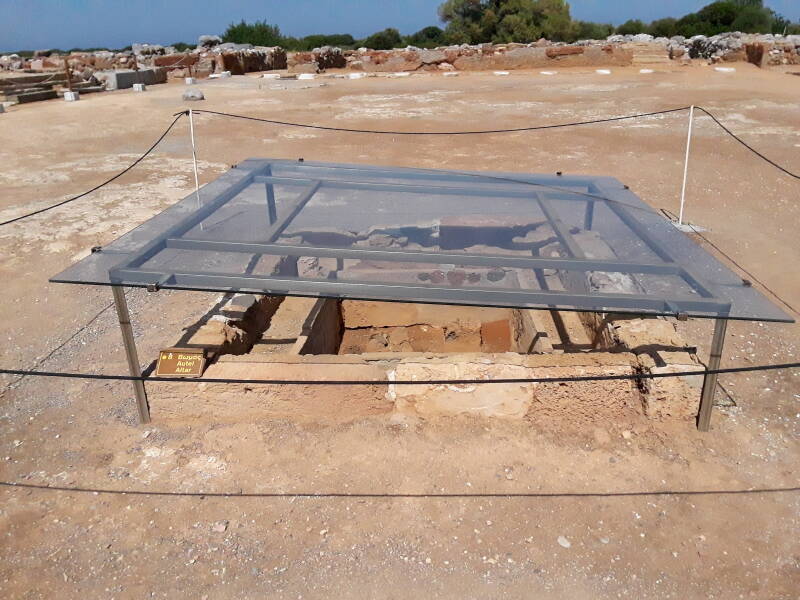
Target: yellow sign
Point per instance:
(181, 362)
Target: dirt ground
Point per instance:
(474, 542)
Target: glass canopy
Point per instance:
(378, 233)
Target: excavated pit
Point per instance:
(316, 339)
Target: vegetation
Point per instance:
(259, 33)
(428, 37)
(502, 21)
(747, 16)
(384, 40)
(479, 21)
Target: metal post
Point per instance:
(130, 351)
(272, 212)
(710, 380)
(686, 165)
(194, 161)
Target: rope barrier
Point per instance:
(409, 495)
(748, 146)
(412, 133)
(632, 377)
(97, 187)
(445, 133)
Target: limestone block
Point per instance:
(494, 400)
(236, 403)
(673, 397)
(634, 333)
(219, 335)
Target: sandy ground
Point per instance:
(56, 432)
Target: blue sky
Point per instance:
(34, 24)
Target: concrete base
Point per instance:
(686, 228)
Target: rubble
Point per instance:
(208, 41)
(212, 56)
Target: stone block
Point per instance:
(236, 403)
(125, 78)
(673, 397)
(489, 400)
(218, 335)
(558, 51)
(497, 336)
(640, 334)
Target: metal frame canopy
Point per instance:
(299, 228)
(345, 231)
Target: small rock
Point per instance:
(604, 540)
(627, 434)
(563, 542)
(193, 94)
(219, 527)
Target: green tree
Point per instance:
(384, 40)
(752, 19)
(428, 37)
(632, 27)
(663, 27)
(339, 40)
(478, 21)
(259, 33)
(593, 31)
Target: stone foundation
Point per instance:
(309, 339)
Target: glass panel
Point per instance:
(489, 239)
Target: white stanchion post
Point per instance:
(194, 160)
(686, 165)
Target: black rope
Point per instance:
(632, 377)
(674, 217)
(473, 132)
(97, 187)
(202, 495)
(748, 146)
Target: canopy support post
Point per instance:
(710, 379)
(130, 352)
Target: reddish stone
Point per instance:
(437, 277)
(496, 336)
(456, 278)
(556, 51)
(175, 60)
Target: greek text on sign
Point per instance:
(181, 362)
